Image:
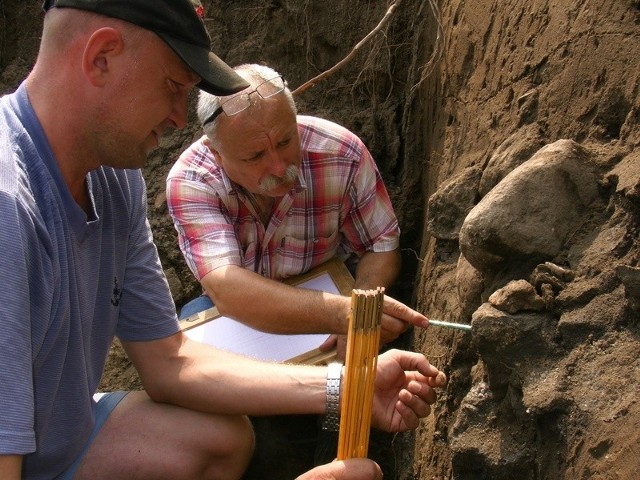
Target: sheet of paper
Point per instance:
(228, 334)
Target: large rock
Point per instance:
(512, 153)
(448, 207)
(528, 216)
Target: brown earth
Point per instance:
(545, 387)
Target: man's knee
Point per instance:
(145, 439)
(239, 439)
(232, 444)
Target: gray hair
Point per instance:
(254, 74)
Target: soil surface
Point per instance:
(507, 134)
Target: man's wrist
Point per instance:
(334, 383)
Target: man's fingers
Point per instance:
(417, 362)
(412, 408)
(329, 343)
(440, 380)
(423, 391)
(400, 311)
(392, 328)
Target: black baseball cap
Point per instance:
(177, 23)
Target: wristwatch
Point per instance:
(334, 379)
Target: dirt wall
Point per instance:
(515, 76)
(533, 394)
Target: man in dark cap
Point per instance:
(79, 266)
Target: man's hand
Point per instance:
(397, 318)
(339, 342)
(349, 469)
(404, 390)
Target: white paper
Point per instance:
(228, 334)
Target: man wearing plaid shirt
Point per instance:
(267, 194)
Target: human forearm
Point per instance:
(179, 371)
(273, 306)
(10, 467)
(378, 269)
(183, 372)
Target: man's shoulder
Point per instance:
(318, 135)
(15, 145)
(5, 101)
(321, 124)
(195, 157)
(8, 120)
(14, 110)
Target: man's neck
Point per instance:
(264, 207)
(62, 139)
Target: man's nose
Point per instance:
(179, 113)
(277, 163)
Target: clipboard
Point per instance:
(228, 334)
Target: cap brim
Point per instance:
(217, 78)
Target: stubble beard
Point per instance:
(119, 150)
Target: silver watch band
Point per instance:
(334, 378)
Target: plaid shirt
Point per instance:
(338, 206)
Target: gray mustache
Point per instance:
(273, 181)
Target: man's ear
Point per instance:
(103, 45)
